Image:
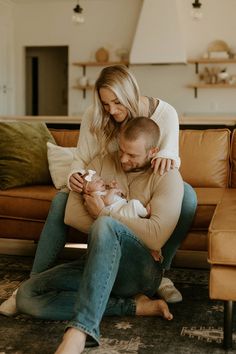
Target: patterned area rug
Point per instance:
(196, 327)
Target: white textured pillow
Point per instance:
(59, 162)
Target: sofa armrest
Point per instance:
(222, 231)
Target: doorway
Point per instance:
(46, 81)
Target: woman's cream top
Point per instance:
(88, 144)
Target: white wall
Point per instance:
(7, 88)
(111, 23)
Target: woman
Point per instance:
(116, 100)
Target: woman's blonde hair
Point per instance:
(123, 84)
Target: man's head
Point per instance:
(138, 141)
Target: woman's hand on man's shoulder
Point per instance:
(161, 165)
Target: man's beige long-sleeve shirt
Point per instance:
(163, 193)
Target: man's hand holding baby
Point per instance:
(94, 204)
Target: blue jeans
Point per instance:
(54, 234)
(117, 264)
(189, 206)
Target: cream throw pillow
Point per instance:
(59, 161)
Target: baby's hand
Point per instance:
(148, 207)
(113, 184)
(109, 197)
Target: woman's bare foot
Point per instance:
(148, 307)
(73, 342)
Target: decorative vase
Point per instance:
(102, 55)
(83, 81)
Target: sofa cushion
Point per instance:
(65, 137)
(222, 231)
(205, 157)
(222, 283)
(59, 161)
(23, 211)
(207, 199)
(233, 159)
(31, 202)
(195, 241)
(23, 154)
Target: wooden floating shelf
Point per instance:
(96, 63)
(199, 85)
(87, 87)
(209, 86)
(212, 61)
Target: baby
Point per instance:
(113, 197)
(114, 200)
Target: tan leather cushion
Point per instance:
(65, 137)
(204, 157)
(207, 199)
(222, 231)
(26, 229)
(195, 241)
(24, 210)
(22, 229)
(31, 202)
(233, 159)
(222, 284)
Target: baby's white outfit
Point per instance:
(130, 208)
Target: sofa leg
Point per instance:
(228, 324)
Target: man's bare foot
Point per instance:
(73, 342)
(148, 307)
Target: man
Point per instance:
(123, 258)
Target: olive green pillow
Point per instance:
(23, 154)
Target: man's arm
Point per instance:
(76, 214)
(165, 205)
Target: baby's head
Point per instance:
(93, 182)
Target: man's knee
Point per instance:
(102, 229)
(101, 223)
(189, 203)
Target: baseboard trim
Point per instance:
(28, 248)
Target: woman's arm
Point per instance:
(168, 155)
(87, 149)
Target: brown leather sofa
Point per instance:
(222, 250)
(208, 164)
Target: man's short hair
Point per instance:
(142, 126)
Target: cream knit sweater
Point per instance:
(164, 193)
